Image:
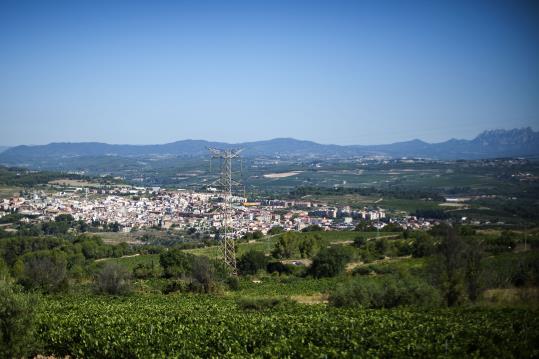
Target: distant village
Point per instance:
(133, 208)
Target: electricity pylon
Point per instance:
(225, 184)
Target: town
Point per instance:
(134, 208)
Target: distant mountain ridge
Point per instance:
(489, 144)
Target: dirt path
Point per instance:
(129, 256)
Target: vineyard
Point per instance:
(205, 326)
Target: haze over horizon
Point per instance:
(339, 72)
(263, 139)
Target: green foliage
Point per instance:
(278, 267)
(203, 275)
(206, 326)
(113, 279)
(26, 178)
(448, 267)
(275, 230)
(423, 245)
(312, 228)
(177, 285)
(330, 262)
(387, 292)
(252, 261)
(253, 235)
(144, 271)
(176, 263)
(306, 247)
(17, 322)
(44, 270)
(260, 303)
(431, 213)
(473, 256)
(285, 245)
(365, 226)
(233, 282)
(360, 242)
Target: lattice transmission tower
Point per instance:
(225, 183)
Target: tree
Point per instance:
(473, 256)
(66, 218)
(448, 267)
(115, 227)
(45, 270)
(330, 262)
(251, 262)
(381, 245)
(203, 275)
(312, 228)
(176, 263)
(16, 322)
(275, 230)
(113, 279)
(422, 245)
(306, 247)
(285, 245)
(278, 267)
(360, 242)
(365, 226)
(144, 271)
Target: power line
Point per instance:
(225, 183)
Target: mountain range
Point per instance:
(522, 142)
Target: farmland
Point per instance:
(200, 326)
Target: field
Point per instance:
(183, 326)
(8, 191)
(267, 243)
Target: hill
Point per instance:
(489, 144)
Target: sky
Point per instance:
(342, 72)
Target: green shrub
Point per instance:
(113, 279)
(44, 270)
(260, 303)
(16, 322)
(233, 282)
(176, 263)
(144, 271)
(179, 285)
(386, 292)
(330, 262)
(278, 267)
(362, 271)
(252, 261)
(423, 245)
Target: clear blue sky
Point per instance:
(345, 72)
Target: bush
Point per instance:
(285, 246)
(44, 270)
(113, 279)
(422, 245)
(278, 267)
(275, 230)
(251, 262)
(362, 271)
(233, 283)
(176, 286)
(16, 322)
(387, 292)
(176, 263)
(144, 271)
(203, 276)
(260, 303)
(330, 262)
(360, 242)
